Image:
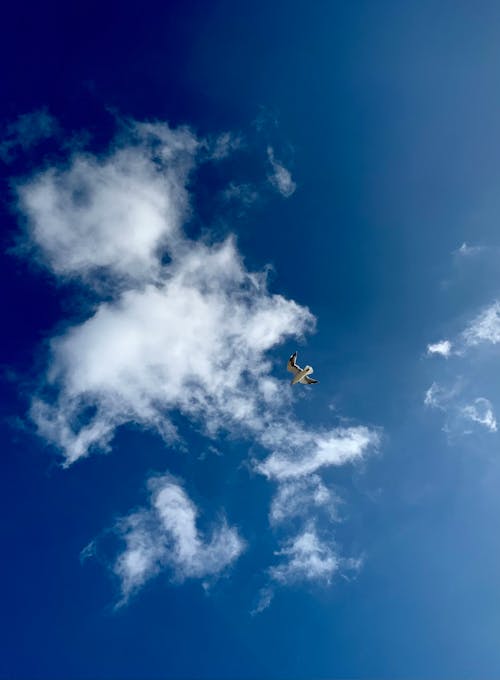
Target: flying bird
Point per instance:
(301, 374)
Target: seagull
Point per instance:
(301, 374)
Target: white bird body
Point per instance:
(301, 374)
(299, 377)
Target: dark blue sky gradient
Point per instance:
(388, 116)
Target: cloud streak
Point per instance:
(280, 177)
(312, 451)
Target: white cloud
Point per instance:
(481, 412)
(485, 327)
(27, 131)
(244, 194)
(430, 396)
(164, 535)
(181, 345)
(466, 250)
(482, 329)
(438, 396)
(300, 452)
(308, 558)
(116, 212)
(298, 497)
(458, 412)
(305, 558)
(223, 145)
(210, 451)
(442, 348)
(190, 336)
(264, 599)
(456, 399)
(280, 178)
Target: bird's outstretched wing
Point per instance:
(292, 365)
(309, 381)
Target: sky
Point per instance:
(192, 191)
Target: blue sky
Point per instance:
(191, 192)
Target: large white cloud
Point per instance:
(188, 335)
(113, 212)
(194, 343)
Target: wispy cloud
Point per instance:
(164, 536)
(305, 558)
(223, 145)
(467, 250)
(485, 327)
(280, 177)
(481, 412)
(25, 132)
(313, 450)
(442, 348)
(298, 497)
(244, 194)
(460, 413)
(437, 396)
(482, 329)
(457, 397)
(264, 599)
